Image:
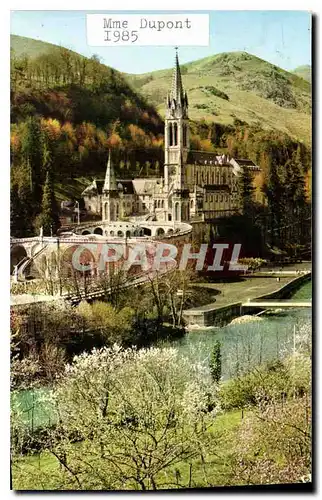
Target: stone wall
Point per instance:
(210, 315)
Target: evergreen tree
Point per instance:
(246, 192)
(215, 362)
(48, 218)
(16, 213)
(21, 207)
(295, 198)
(32, 155)
(274, 191)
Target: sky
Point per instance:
(280, 37)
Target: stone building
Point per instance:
(194, 184)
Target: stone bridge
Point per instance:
(38, 255)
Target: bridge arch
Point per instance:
(160, 231)
(98, 230)
(17, 253)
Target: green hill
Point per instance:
(303, 72)
(30, 47)
(237, 85)
(222, 88)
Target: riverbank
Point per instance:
(232, 295)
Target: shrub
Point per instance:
(139, 416)
(216, 92)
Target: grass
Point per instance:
(247, 81)
(38, 471)
(258, 92)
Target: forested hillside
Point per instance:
(68, 110)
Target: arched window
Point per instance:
(184, 133)
(224, 178)
(170, 135)
(175, 134)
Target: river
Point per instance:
(243, 346)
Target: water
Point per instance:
(35, 411)
(246, 345)
(305, 292)
(243, 346)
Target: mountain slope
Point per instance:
(24, 46)
(237, 85)
(303, 72)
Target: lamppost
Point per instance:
(77, 203)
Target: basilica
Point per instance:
(195, 184)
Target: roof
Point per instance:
(244, 162)
(207, 158)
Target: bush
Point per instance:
(217, 92)
(139, 415)
(268, 382)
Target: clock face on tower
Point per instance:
(172, 170)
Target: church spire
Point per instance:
(177, 89)
(177, 101)
(110, 182)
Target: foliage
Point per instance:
(252, 263)
(245, 190)
(215, 362)
(273, 381)
(274, 445)
(48, 218)
(216, 92)
(138, 415)
(113, 326)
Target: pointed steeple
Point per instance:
(177, 101)
(176, 88)
(110, 182)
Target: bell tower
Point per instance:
(176, 142)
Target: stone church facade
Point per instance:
(195, 183)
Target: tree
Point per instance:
(48, 218)
(215, 362)
(246, 191)
(31, 150)
(21, 206)
(274, 191)
(295, 194)
(138, 417)
(17, 219)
